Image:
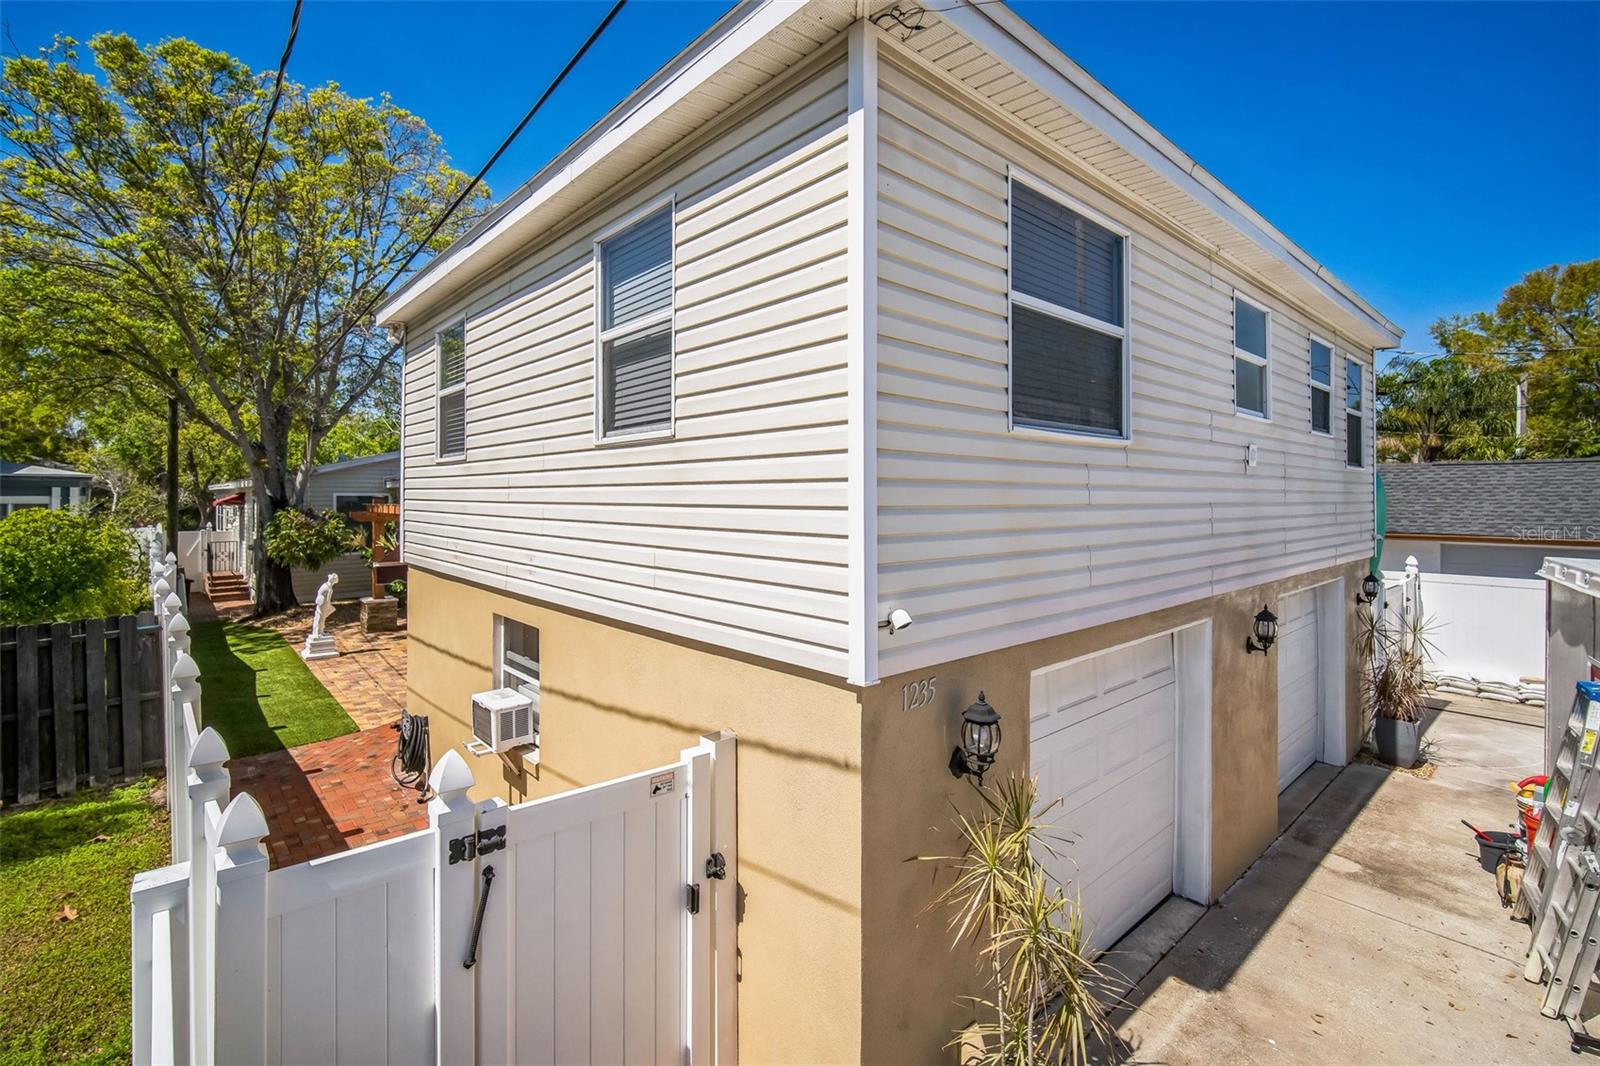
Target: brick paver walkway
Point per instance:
(329, 796)
(369, 676)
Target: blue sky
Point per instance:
(1429, 154)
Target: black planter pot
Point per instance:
(1398, 742)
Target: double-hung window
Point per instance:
(452, 413)
(519, 658)
(634, 373)
(1252, 382)
(1321, 387)
(1355, 451)
(1069, 337)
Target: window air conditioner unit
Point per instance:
(503, 719)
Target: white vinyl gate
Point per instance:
(607, 929)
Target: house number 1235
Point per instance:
(918, 693)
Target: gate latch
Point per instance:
(483, 842)
(716, 867)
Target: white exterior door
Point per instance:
(1299, 686)
(1103, 738)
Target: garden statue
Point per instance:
(319, 644)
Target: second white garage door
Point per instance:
(1103, 737)
(1299, 686)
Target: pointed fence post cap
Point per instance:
(209, 749)
(161, 589)
(173, 604)
(171, 558)
(451, 774)
(178, 626)
(184, 669)
(242, 823)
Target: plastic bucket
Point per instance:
(1530, 804)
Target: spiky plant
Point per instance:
(1039, 1005)
(1394, 661)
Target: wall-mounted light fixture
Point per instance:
(1265, 631)
(980, 741)
(898, 619)
(1370, 587)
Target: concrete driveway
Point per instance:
(1368, 933)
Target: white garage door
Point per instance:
(1299, 687)
(1104, 739)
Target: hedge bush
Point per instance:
(60, 566)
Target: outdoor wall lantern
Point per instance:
(1370, 587)
(1265, 631)
(980, 741)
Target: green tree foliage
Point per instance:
(1462, 404)
(61, 565)
(308, 540)
(140, 241)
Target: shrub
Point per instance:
(307, 540)
(59, 566)
(397, 589)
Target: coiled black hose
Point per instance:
(412, 758)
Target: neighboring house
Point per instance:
(346, 486)
(824, 323)
(41, 485)
(1480, 532)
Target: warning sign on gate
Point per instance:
(661, 784)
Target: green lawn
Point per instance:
(67, 989)
(258, 694)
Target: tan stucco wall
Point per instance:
(911, 980)
(615, 701)
(841, 959)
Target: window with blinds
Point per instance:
(1069, 338)
(635, 349)
(451, 424)
(1251, 380)
(1355, 451)
(1321, 387)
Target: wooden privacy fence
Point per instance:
(80, 704)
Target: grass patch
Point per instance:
(68, 989)
(258, 694)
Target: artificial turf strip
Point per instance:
(66, 979)
(256, 691)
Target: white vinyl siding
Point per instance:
(732, 531)
(989, 537)
(1068, 342)
(1321, 387)
(1252, 358)
(452, 419)
(634, 354)
(1354, 430)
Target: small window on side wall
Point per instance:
(519, 658)
(1321, 387)
(1069, 338)
(634, 356)
(1355, 450)
(1252, 381)
(451, 422)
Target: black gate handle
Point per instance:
(477, 922)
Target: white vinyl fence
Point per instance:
(1489, 628)
(597, 925)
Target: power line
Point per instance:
(1536, 350)
(266, 126)
(477, 178)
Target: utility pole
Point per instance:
(1522, 411)
(172, 475)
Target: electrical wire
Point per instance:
(477, 179)
(266, 133)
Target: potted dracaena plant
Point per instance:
(1394, 658)
(1038, 1003)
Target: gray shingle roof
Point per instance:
(1547, 499)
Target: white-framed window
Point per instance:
(1355, 445)
(517, 658)
(1321, 387)
(633, 353)
(451, 424)
(1252, 367)
(1068, 306)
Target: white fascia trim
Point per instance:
(862, 372)
(1005, 34)
(732, 35)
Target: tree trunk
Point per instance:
(274, 584)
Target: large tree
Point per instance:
(153, 222)
(1446, 407)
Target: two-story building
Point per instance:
(840, 317)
